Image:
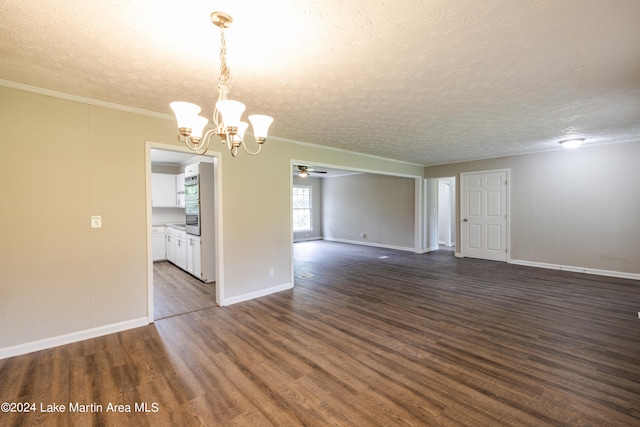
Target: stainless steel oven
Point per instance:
(192, 204)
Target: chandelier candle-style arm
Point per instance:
(227, 116)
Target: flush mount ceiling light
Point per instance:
(227, 113)
(572, 143)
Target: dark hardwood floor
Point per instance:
(423, 340)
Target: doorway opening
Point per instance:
(446, 213)
(183, 266)
(354, 206)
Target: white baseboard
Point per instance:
(595, 271)
(257, 294)
(377, 245)
(306, 239)
(72, 337)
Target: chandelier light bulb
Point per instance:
(260, 124)
(239, 137)
(231, 112)
(186, 114)
(198, 126)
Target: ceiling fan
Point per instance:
(304, 171)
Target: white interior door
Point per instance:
(483, 210)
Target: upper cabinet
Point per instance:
(167, 190)
(163, 190)
(192, 170)
(180, 190)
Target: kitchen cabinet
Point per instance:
(181, 253)
(170, 240)
(192, 170)
(185, 251)
(194, 255)
(163, 190)
(176, 246)
(180, 190)
(159, 243)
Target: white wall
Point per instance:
(62, 281)
(377, 206)
(571, 208)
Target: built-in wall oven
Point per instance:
(192, 204)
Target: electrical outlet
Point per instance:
(271, 272)
(96, 221)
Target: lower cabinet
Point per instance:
(184, 250)
(194, 256)
(159, 243)
(181, 253)
(171, 247)
(176, 247)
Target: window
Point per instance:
(301, 208)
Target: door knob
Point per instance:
(465, 220)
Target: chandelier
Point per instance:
(227, 114)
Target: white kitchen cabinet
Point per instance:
(181, 252)
(180, 190)
(163, 190)
(187, 252)
(192, 170)
(171, 245)
(176, 246)
(194, 256)
(159, 243)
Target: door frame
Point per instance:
(461, 235)
(219, 256)
(450, 182)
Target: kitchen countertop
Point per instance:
(178, 226)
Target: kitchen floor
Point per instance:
(177, 292)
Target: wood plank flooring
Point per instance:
(177, 292)
(422, 340)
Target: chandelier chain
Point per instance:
(224, 81)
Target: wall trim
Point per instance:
(377, 245)
(306, 239)
(83, 100)
(256, 294)
(72, 337)
(594, 271)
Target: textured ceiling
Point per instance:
(428, 82)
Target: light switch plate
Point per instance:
(96, 221)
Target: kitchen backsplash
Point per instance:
(167, 216)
